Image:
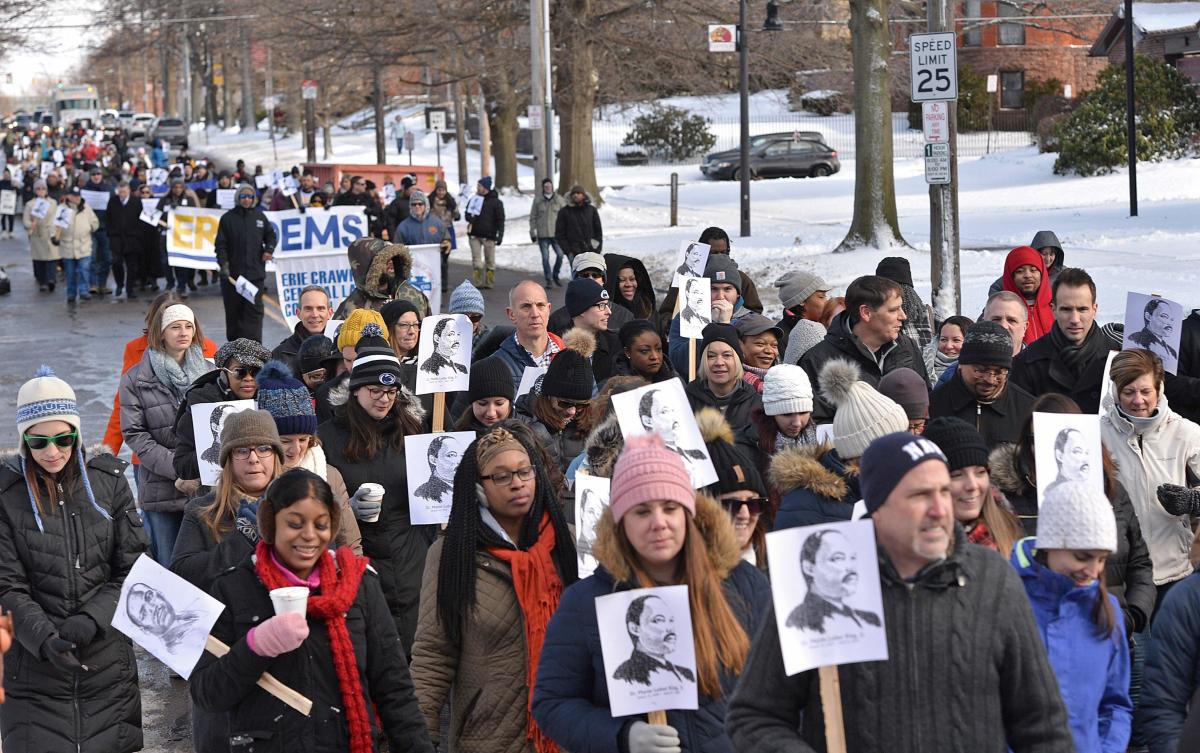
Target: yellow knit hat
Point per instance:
(352, 328)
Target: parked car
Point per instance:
(139, 126)
(125, 118)
(784, 158)
(171, 130)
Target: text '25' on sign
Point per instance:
(934, 66)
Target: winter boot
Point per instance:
(477, 277)
(491, 279)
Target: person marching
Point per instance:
(70, 533)
(40, 231)
(656, 531)
(491, 585)
(245, 243)
(322, 654)
(490, 396)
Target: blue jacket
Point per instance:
(517, 358)
(1172, 673)
(1092, 670)
(414, 232)
(570, 701)
(814, 486)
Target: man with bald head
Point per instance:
(532, 344)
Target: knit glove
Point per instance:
(364, 508)
(1179, 500)
(78, 629)
(247, 528)
(61, 653)
(188, 486)
(278, 635)
(653, 738)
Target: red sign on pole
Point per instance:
(308, 89)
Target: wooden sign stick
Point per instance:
(657, 717)
(691, 359)
(831, 704)
(266, 681)
(439, 412)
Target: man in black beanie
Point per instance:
(979, 392)
(589, 306)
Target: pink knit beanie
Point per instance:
(647, 471)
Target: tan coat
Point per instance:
(486, 676)
(76, 241)
(40, 232)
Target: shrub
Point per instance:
(1167, 110)
(824, 102)
(671, 133)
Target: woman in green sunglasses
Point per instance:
(70, 534)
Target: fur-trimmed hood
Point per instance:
(712, 521)
(369, 258)
(1004, 468)
(801, 468)
(603, 446)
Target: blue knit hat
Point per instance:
(486, 182)
(466, 299)
(887, 460)
(286, 399)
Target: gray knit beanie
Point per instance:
(796, 286)
(804, 336)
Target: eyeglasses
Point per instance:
(570, 404)
(603, 305)
(407, 327)
(243, 453)
(40, 442)
(315, 374)
(754, 505)
(503, 478)
(379, 393)
(242, 372)
(475, 318)
(590, 275)
(993, 373)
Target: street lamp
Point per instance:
(772, 23)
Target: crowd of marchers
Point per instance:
(1073, 624)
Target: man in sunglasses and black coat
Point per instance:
(235, 378)
(245, 243)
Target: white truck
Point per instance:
(76, 102)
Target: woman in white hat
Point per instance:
(70, 534)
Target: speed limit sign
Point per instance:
(934, 66)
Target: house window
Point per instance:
(1010, 34)
(1012, 89)
(974, 35)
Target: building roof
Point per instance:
(1148, 19)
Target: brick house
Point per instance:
(1169, 31)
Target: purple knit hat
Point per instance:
(648, 471)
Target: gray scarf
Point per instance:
(175, 377)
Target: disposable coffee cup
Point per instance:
(290, 599)
(374, 493)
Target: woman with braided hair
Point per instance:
(322, 654)
(491, 584)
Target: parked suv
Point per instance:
(790, 157)
(171, 130)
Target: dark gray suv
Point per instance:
(795, 156)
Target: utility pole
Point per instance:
(270, 87)
(744, 91)
(310, 120)
(248, 120)
(1130, 119)
(540, 87)
(185, 90)
(943, 197)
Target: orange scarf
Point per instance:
(539, 589)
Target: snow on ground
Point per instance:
(1004, 198)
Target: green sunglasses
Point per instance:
(39, 442)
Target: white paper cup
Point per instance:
(290, 599)
(373, 492)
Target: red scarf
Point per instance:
(337, 594)
(979, 534)
(539, 588)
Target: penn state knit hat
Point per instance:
(248, 352)
(786, 389)
(286, 399)
(1074, 516)
(582, 294)
(986, 343)
(466, 299)
(491, 377)
(723, 269)
(960, 442)
(796, 286)
(646, 471)
(374, 362)
(888, 459)
(249, 428)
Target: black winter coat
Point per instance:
(562, 445)
(998, 421)
(841, 342)
(396, 547)
(74, 566)
(1036, 367)
(578, 229)
(243, 236)
(229, 684)
(124, 224)
(288, 350)
(741, 402)
(489, 223)
(210, 388)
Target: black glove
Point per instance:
(223, 268)
(78, 629)
(1179, 500)
(55, 241)
(247, 528)
(61, 654)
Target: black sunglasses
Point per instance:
(40, 442)
(754, 505)
(243, 372)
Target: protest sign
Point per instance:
(150, 215)
(63, 216)
(690, 261)
(444, 354)
(192, 233)
(95, 199)
(591, 499)
(1066, 449)
(8, 202)
(388, 193)
(528, 377)
(262, 182)
(288, 185)
(166, 615)
(226, 198)
(663, 409)
(828, 603)
(1106, 384)
(246, 289)
(58, 156)
(207, 421)
(426, 274)
(1156, 324)
(40, 208)
(46, 168)
(648, 648)
(431, 461)
(696, 313)
(293, 274)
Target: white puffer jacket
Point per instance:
(1161, 453)
(76, 240)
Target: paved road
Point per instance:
(84, 345)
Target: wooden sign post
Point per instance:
(831, 704)
(266, 681)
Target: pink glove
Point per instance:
(278, 635)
